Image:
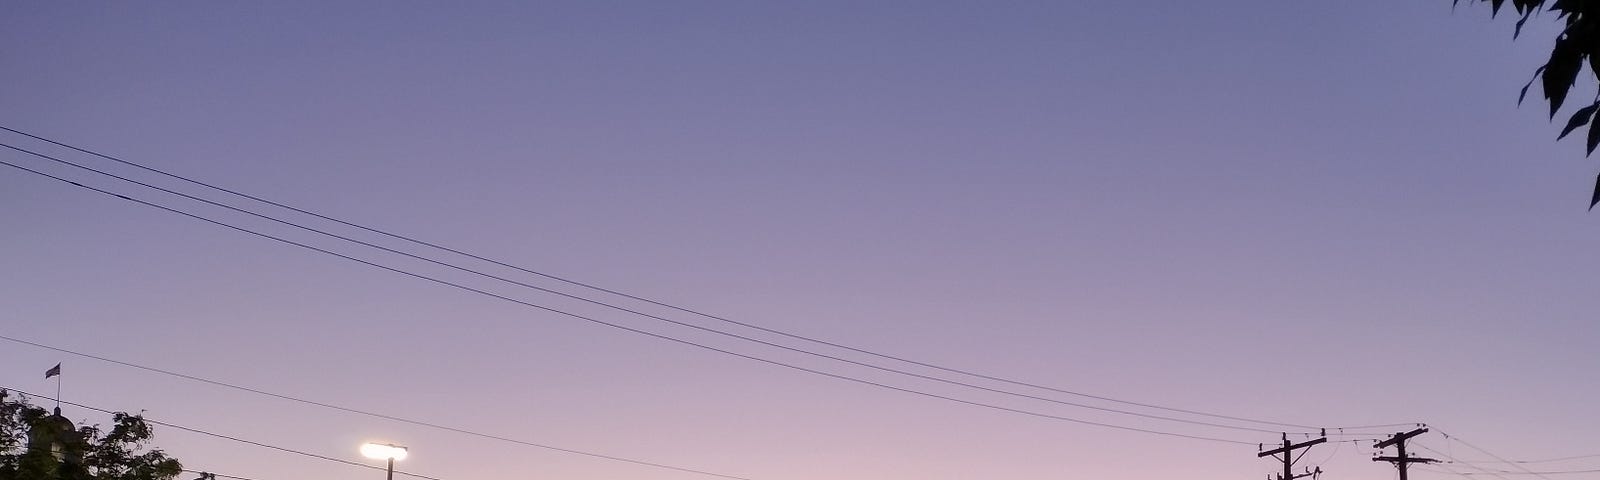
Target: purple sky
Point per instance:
(1328, 213)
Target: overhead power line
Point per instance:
(203, 475)
(1518, 466)
(627, 328)
(1546, 460)
(1548, 472)
(632, 311)
(237, 439)
(691, 311)
(1450, 471)
(1480, 470)
(1450, 459)
(369, 413)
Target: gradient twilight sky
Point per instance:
(1319, 212)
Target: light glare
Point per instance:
(382, 451)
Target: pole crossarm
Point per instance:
(1290, 448)
(1400, 437)
(1401, 460)
(1288, 458)
(1404, 460)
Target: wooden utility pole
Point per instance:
(1401, 460)
(1288, 458)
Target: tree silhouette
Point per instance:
(1579, 41)
(40, 445)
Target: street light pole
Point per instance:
(391, 468)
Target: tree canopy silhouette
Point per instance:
(38, 445)
(1577, 44)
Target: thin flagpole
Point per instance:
(55, 372)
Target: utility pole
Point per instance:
(1401, 460)
(1288, 458)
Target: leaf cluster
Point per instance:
(76, 452)
(1577, 46)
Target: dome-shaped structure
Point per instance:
(57, 435)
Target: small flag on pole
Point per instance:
(53, 371)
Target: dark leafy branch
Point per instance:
(37, 445)
(1577, 44)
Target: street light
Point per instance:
(384, 451)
